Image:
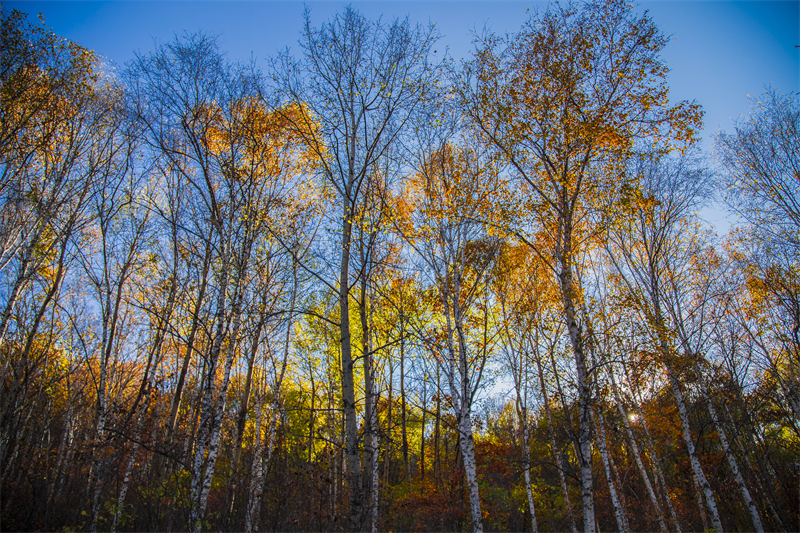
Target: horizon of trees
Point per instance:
(287, 300)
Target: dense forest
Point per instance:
(367, 289)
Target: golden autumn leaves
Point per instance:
(258, 140)
(454, 183)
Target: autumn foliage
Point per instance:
(373, 291)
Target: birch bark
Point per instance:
(619, 510)
(697, 469)
(637, 454)
(356, 86)
(654, 457)
(732, 463)
(208, 422)
(260, 462)
(526, 457)
(666, 360)
(461, 392)
(518, 364)
(553, 446)
(584, 391)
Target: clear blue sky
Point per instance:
(719, 52)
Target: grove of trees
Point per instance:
(369, 289)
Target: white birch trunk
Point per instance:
(208, 415)
(699, 477)
(619, 511)
(461, 398)
(98, 465)
(762, 486)
(259, 470)
(734, 466)
(662, 526)
(63, 451)
(568, 291)
(556, 456)
(467, 443)
(655, 459)
(528, 487)
(256, 488)
(375, 478)
(261, 464)
(126, 480)
(136, 437)
(356, 514)
(522, 415)
(697, 469)
(218, 413)
(466, 438)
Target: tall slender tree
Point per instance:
(564, 101)
(356, 84)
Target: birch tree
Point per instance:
(206, 118)
(357, 82)
(62, 134)
(455, 187)
(761, 180)
(563, 101)
(522, 294)
(656, 267)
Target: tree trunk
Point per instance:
(256, 489)
(260, 466)
(467, 447)
(370, 406)
(697, 469)
(655, 459)
(556, 455)
(461, 394)
(734, 466)
(752, 439)
(375, 445)
(387, 463)
(422, 431)
(403, 416)
(178, 396)
(311, 418)
(619, 511)
(522, 417)
(526, 458)
(235, 475)
(126, 479)
(219, 408)
(64, 449)
(356, 513)
(584, 394)
(637, 455)
(666, 359)
(201, 480)
(437, 468)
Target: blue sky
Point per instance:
(719, 51)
